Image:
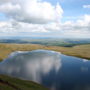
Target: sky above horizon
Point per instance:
(45, 18)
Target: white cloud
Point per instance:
(78, 29)
(9, 9)
(86, 6)
(4, 1)
(36, 17)
(2, 24)
(32, 11)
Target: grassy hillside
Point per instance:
(82, 51)
(9, 83)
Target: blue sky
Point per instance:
(64, 18)
(74, 8)
(3, 17)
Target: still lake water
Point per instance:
(49, 68)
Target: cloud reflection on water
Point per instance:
(31, 65)
(50, 68)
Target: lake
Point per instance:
(49, 68)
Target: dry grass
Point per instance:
(82, 51)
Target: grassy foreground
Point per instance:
(82, 51)
(9, 83)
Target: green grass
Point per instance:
(9, 83)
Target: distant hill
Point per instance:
(48, 41)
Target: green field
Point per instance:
(9, 83)
(82, 51)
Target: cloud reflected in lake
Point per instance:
(31, 65)
(50, 68)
